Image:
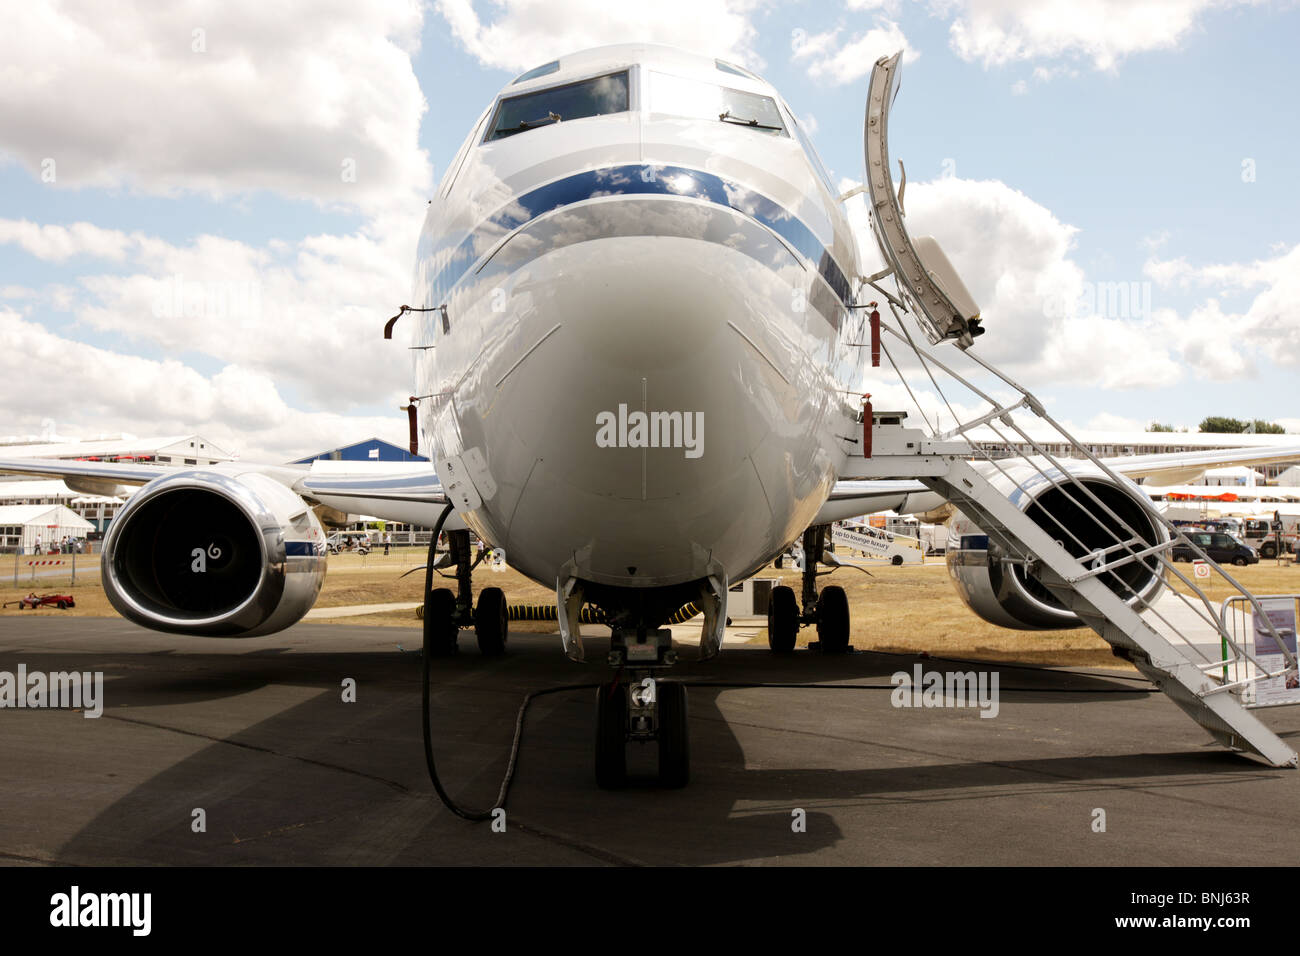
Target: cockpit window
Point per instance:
(537, 71)
(594, 97)
(694, 98)
(726, 67)
(808, 149)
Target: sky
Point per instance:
(208, 210)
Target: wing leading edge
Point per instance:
(410, 492)
(851, 498)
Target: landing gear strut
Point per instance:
(829, 611)
(446, 613)
(642, 710)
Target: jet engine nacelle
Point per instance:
(1005, 594)
(215, 555)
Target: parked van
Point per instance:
(358, 541)
(1222, 548)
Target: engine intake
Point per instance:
(214, 554)
(1007, 595)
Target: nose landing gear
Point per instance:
(642, 710)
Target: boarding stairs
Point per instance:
(1193, 657)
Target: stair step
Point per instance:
(1165, 664)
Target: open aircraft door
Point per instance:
(926, 279)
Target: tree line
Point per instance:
(1219, 424)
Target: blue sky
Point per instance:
(1050, 146)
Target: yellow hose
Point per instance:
(588, 615)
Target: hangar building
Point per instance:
(372, 449)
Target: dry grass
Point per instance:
(915, 609)
(907, 608)
(89, 596)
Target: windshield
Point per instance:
(594, 97)
(811, 153)
(701, 100)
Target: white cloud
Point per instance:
(1155, 241)
(1229, 343)
(240, 410)
(890, 7)
(1107, 422)
(1207, 341)
(1046, 320)
(307, 312)
(516, 35)
(838, 64)
(219, 99)
(57, 243)
(995, 32)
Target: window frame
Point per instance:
(633, 100)
(458, 163)
(809, 149)
(775, 100)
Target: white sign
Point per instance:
(877, 546)
(1200, 569)
(1276, 690)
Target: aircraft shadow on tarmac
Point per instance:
(305, 778)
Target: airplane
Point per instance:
(637, 371)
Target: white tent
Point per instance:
(1234, 476)
(24, 524)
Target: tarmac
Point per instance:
(256, 734)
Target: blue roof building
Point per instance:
(372, 449)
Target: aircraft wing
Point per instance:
(1177, 468)
(408, 492)
(851, 498)
(104, 473)
(413, 495)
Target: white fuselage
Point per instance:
(644, 366)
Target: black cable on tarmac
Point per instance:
(479, 816)
(467, 813)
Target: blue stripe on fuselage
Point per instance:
(631, 180)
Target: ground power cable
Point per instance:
(512, 764)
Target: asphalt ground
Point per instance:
(256, 734)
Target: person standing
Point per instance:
(388, 542)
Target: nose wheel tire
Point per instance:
(674, 736)
(440, 630)
(491, 624)
(611, 736)
(833, 620)
(782, 620)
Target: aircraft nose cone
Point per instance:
(644, 341)
(645, 401)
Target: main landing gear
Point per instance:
(445, 612)
(641, 710)
(829, 611)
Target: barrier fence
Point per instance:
(59, 569)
